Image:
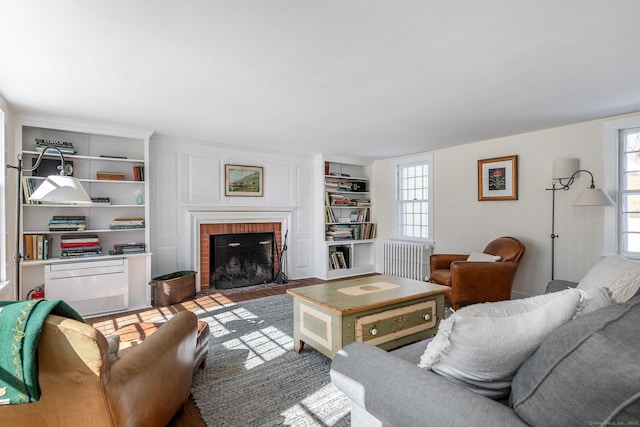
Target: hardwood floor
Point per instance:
(190, 416)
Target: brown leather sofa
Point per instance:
(475, 282)
(147, 386)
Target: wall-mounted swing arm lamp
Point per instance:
(590, 196)
(60, 188)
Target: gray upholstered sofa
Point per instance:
(585, 372)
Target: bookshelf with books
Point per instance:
(109, 162)
(349, 232)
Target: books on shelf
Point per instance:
(138, 173)
(29, 185)
(63, 146)
(127, 223)
(101, 200)
(36, 246)
(68, 223)
(339, 258)
(80, 245)
(364, 231)
(109, 176)
(127, 248)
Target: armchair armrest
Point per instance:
(137, 384)
(400, 393)
(492, 280)
(441, 261)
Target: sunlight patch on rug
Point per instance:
(253, 377)
(263, 345)
(323, 408)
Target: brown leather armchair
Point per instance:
(147, 386)
(472, 282)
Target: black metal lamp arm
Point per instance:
(569, 183)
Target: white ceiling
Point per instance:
(376, 78)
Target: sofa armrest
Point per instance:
(400, 393)
(443, 261)
(152, 381)
(559, 285)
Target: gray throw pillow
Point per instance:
(587, 372)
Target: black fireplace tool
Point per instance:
(281, 276)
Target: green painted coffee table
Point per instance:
(382, 310)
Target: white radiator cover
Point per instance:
(89, 287)
(407, 259)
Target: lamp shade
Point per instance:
(565, 168)
(593, 197)
(61, 189)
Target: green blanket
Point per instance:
(20, 326)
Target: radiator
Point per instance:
(407, 259)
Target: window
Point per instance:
(629, 191)
(413, 199)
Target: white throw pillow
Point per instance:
(483, 345)
(592, 300)
(482, 257)
(619, 274)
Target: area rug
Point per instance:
(254, 378)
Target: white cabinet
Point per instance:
(123, 154)
(349, 232)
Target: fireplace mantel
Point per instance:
(199, 215)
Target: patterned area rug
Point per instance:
(254, 378)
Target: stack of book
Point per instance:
(80, 245)
(127, 223)
(339, 232)
(68, 223)
(101, 200)
(338, 200)
(36, 246)
(127, 248)
(109, 176)
(45, 144)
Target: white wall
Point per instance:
(188, 175)
(7, 205)
(463, 224)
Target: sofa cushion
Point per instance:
(584, 373)
(617, 273)
(482, 257)
(482, 346)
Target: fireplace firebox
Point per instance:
(241, 259)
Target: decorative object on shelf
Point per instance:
(55, 189)
(498, 178)
(243, 180)
(569, 170)
(140, 197)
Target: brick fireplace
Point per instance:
(210, 229)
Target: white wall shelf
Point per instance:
(99, 148)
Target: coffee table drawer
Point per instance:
(379, 328)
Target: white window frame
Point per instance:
(612, 223)
(3, 195)
(397, 165)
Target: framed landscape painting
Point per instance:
(243, 180)
(498, 178)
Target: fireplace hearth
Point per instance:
(241, 259)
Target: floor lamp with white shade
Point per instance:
(569, 170)
(60, 188)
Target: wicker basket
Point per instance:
(173, 288)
